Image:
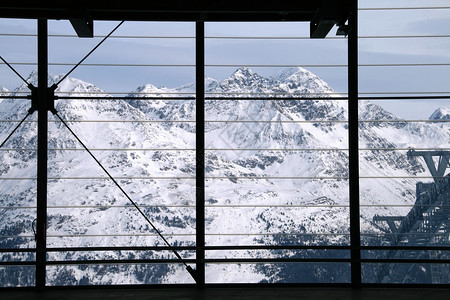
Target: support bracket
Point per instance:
(84, 27)
(50, 99)
(442, 165)
(390, 220)
(332, 12)
(82, 22)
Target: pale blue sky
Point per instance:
(303, 51)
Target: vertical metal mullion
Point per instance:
(42, 128)
(353, 140)
(200, 151)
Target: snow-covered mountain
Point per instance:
(276, 173)
(3, 92)
(441, 114)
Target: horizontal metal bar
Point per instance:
(208, 248)
(405, 234)
(400, 149)
(281, 97)
(403, 121)
(326, 65)
(328, 37)
(184, 234)
(400, 177)
(224, 149)
(276, 122)
(117, 206)
(136, 287)
(17, 250)
(406, 248)
(193, 206)
(401, 205)
(404, 93)
(127, 97)
(228, 206)
(229, 247)
(275, 260)
(207, 261)
(243, 121)
(100, 178)
(49, 235)
(231, 234)
(191, 121)
(225, 37)
(120, 248)
(404, 8)
(108, 95)
(406, 261)
(99, 36)
(101, 64)
(126, 149)
(188, 206)
(262, 97)
(227, 177)
(413, 286)
(190, 234)
(118, 262)
(279, 247)
(103, 149)
(402, 36)
(123, 121)
(278, 177)
(132, 287)
(235, 65)
(376, 98)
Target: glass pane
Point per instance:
(276, 169)
(17, 276)
(278, 273)
(406, 273)
(132, 274)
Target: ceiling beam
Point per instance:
(166, 10)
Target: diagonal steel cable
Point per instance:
(14, 130)
(87, 55)
(17, 73)
(188, 268)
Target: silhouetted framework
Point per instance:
(426, 224)
(429, 214)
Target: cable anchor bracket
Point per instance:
(50, 99)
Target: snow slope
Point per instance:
(276, 173)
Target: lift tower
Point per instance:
(426, 224)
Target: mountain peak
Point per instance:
(244, 79)
(283, 74)
(442, 113)
(69, 84)
(147, 88)
(243, 72)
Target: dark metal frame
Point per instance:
(200, 151)
(353, 145)
(355, 247)
(41, 223)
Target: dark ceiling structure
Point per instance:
(323, 14)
